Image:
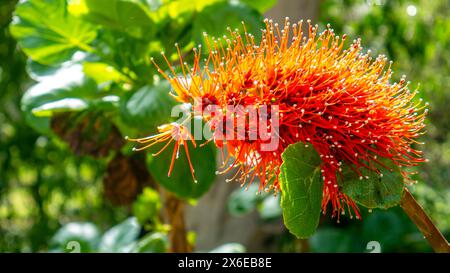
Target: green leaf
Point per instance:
(48, 33)
(62, 105)
(243, 201)
(67, 89)
(128, 16)
(301, 189)
(155, 242)
(148, 107)
(260, 5)
(102, 72)
(120, 238)
(377, 191)
(106, 103)
(86, 234)
(180, 182)
(176, 8)
(39, 72)
(215, 19)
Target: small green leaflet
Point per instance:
(301, 189)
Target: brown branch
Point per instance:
(174, 212)
(423, 222)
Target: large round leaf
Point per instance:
(48, 33)
(374, 190)
(301, 189)
(40, 72)
(128, 16)
(67, 82)
(180, 182)
(148, 107)
(176, 8)
(229, 15)
(66, 90)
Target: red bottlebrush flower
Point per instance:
(340, 101)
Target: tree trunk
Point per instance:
(174, 214)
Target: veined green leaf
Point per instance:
(48, 33)
(148, 107)
(180, 182)
(374, 190)
(301, 189)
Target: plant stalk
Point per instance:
(174, 208)
(423, 222)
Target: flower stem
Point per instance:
(174, 208)
(423, 222)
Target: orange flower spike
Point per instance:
(338, 100)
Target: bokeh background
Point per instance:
(54, 190)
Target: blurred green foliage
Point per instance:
(85, 68)
(79, 73)
(42, 185)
